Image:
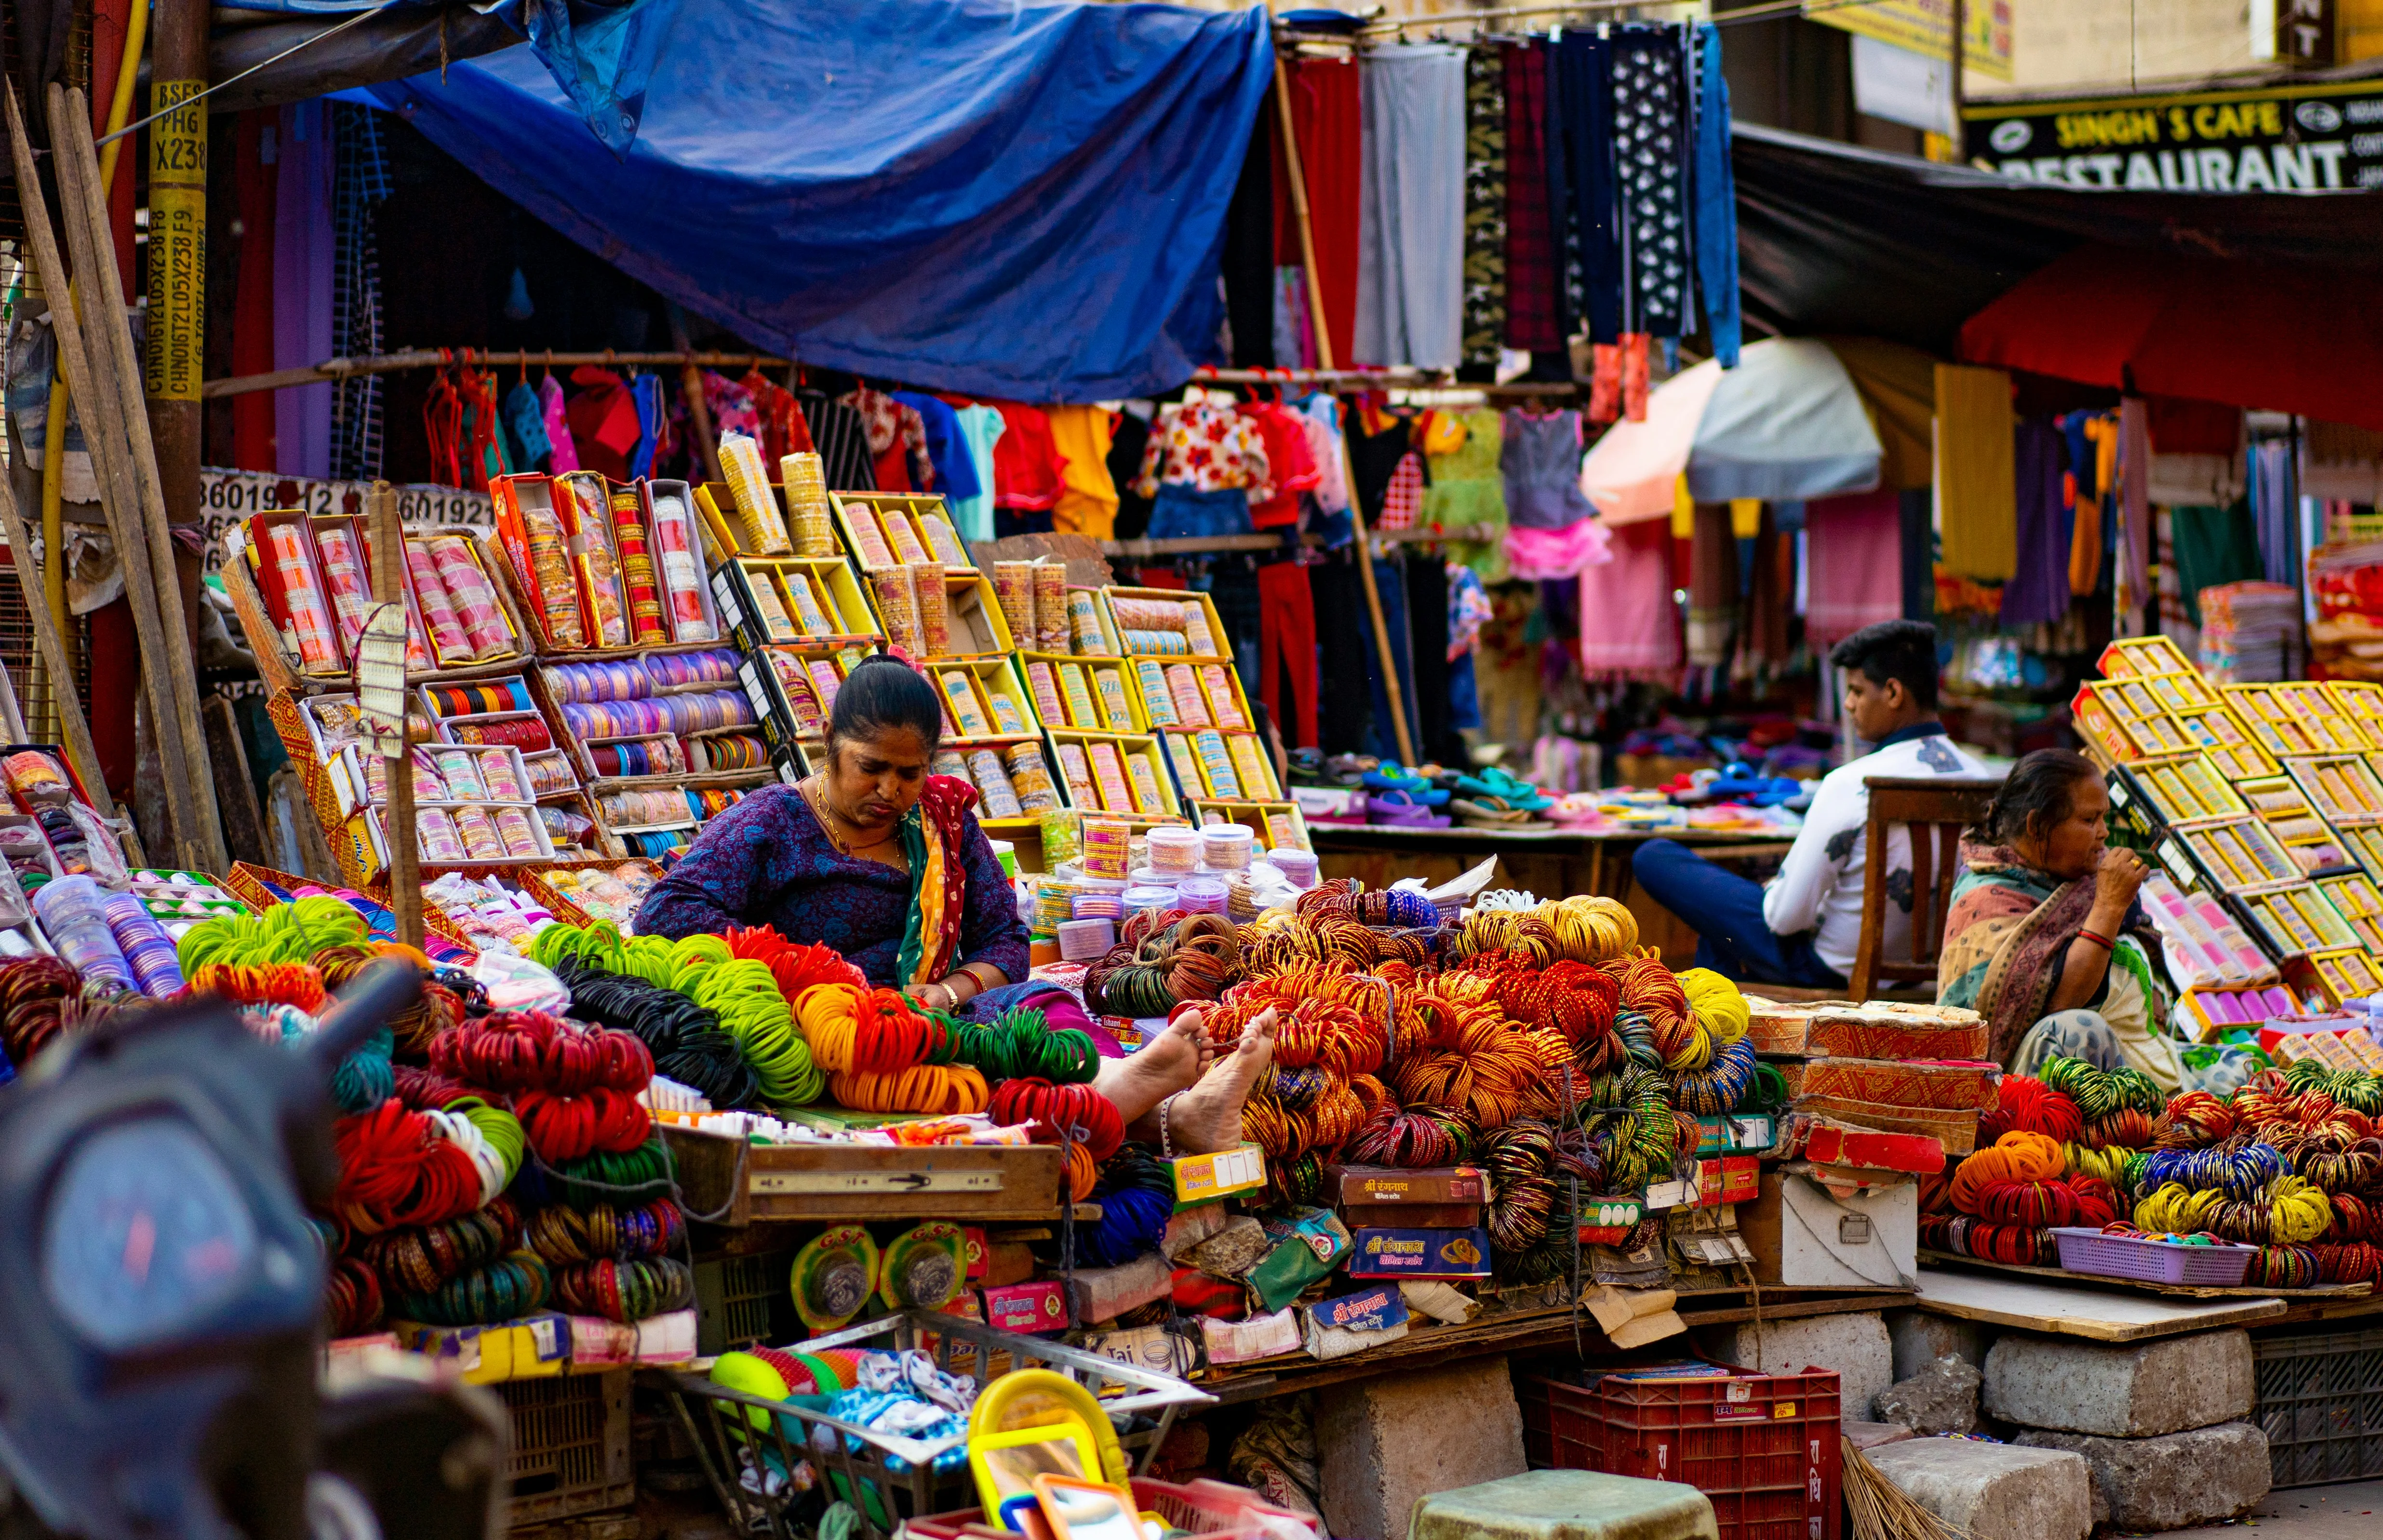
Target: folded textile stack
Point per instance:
(1884, 1066)
(2249, 632)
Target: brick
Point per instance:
(1387, 1441)
(1993, 1491)
(1855, 1345)
(2135, 1391)
(2174, 1481)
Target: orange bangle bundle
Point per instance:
(945, 1088)
(296, 984)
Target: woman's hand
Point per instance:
(2115, 881)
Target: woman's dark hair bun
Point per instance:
(2037, 793)
(883, 692)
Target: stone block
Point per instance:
(1921, 1339)
(1942, 1397)
(1566, 1505)
(1869, 1436)
(1993, 1491)
(1855, 1345)
(1390, 1441)
(2174, 1481)
(2137, 1390)
(1105, 1293)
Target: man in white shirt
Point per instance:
(1802, 927)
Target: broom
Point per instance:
(1881, 1510)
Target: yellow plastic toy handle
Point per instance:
(1037, 1398)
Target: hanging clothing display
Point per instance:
(1204, 445)
(1975, 486)
(559, 442)
(526, 440)
(947, 454)
(841, 439)
(1295, 322)
(1248, 264)
(731, 409)
(1532, 321)
(1291, 464)
(2038, 590)
(1715, 220)
(1712, 586)
(1376, 448)
(1468, 491)
(2133, 580)
(1411, 219)
(979, 429)
(1088, 500)
(783, 432)
(1427, 601)
(897, 440)
(1853, 548)
(1919, 517)
(2092, 465)
(1287, 651)
(1769, 594)
(1629, 623)
(1402, 494)
(1485, 206)
(2211, 545)
(1029, 473)
(603, 421)
(1581, 145)
(1650, 151)
(1128, 441)
(1539, 457)
(2275, 508)
(1345, 642)
(302, 282)
(1320, 416)
(655, 439)
(1327, 116)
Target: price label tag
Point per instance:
(380, 677)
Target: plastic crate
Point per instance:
(1764, 1448)
(1194, 1506)
(733, 1297)
(2123, 1256)
(2320, 1403)
(570, 1446)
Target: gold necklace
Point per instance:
(828, 817)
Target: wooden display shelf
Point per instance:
(747, 1183)
(2179, 1291)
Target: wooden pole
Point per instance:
(104, 432)
(176, 333)
(74, 732)
(70, 137)
(698, 411)
(1324, 356)
(387, 533)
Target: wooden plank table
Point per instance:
(1552, 863)
(2173, 1291)
(1527, 1330)
(2074, 1309)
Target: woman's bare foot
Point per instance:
(1166, 1064)
(1207, 1118)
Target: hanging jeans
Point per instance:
(1187, 514)
(1345, 644)
(1287, 649)
(1389, 582)
(1427, 653)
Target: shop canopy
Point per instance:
(1015, 200)
(1785, 425)
(2247, 299)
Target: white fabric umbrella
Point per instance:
(1785, 425)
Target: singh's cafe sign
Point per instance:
(2298, 139)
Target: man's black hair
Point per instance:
(1894, 649)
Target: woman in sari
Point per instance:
(2044, 938)
(886, 863)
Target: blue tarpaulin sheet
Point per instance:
(1017, 200)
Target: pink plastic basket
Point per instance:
(2124, 1256)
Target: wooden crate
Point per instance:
(967, 1183)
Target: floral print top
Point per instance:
(767, 861)
(1208, 447)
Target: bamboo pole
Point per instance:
(104, 432)
(1324, 355)
(698, 409)
(74, 731)
(71, 141)
(387, 533)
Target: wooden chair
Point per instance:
(1936, 809)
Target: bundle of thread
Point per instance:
(2118, 1105)
(573, 1090)
(684, 1040)
(1164, 958)
(2025, 1104)
(1584, 930)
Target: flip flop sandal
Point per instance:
(1402, 814)
(1489, 813)
(1498, 783)
(1390, 777)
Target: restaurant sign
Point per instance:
(2297, 139)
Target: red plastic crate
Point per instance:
(1203, 1508)
(1764, 1447)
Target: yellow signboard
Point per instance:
(1926, 27)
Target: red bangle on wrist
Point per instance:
(2104, 942)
